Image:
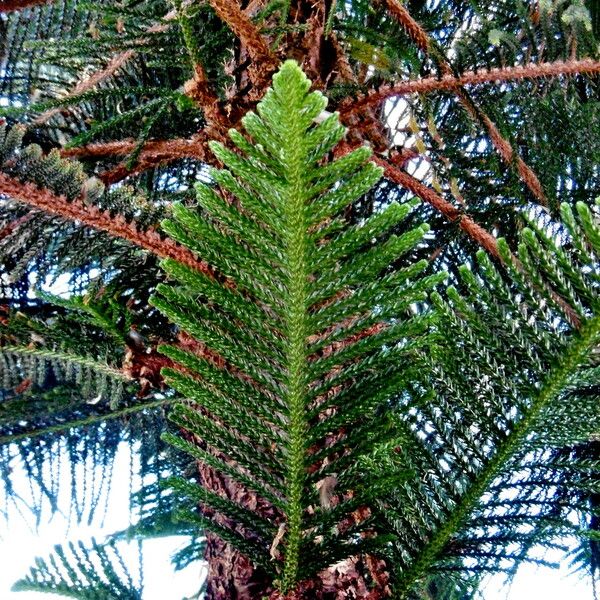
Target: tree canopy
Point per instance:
(331, 266)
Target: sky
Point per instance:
(19, 544)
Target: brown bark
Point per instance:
(13, 5)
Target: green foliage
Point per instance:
(443, 422)
(94, 572)
(453, 462)
(302, 284)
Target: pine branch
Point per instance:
(450, 82)
(512, 438)
(503, 147)
(156, 151)
(412, 28)
(477, 233)
(81, 361)
(290, 331)
(114, 65)
(85, 421)
(91, 216)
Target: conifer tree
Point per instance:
(349, 249)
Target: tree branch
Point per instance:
(414, 30)
(503, 147)
(453, 83)
(92, 216)
(477, 233)
(129, 410)
(230, 12)
(158, 150)
(116, 63)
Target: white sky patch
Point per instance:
(20, 544)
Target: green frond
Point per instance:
(503, 401)
(94, 572)
(298, 306)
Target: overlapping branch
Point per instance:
(411, 27)
(502, 146)
(116, 63)
(476, 232)
(450, 82)
(92, 216)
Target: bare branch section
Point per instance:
(160, 150)
(452, 83)
(92, 216)
(14, 5)
(230, 12)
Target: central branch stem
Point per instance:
(296, 353)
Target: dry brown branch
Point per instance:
(153, 153)
(477, 233)
(503, 147)
(92, 216)
(13, 5)
(453, 83)
(414, 30)
(230, 12)
(158, 149)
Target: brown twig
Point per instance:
(452, 83)
(153, 153)
(92, 216)
(477, 233)
(503, 147)
(160, 150)
(263, 58)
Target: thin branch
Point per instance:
(503, 147)
(452, 83)
(230, 12)
(116, 63)
(153, 153)
(129, 410)
(45, 353)
(92, 216)
(159, 150)
(477, 233)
